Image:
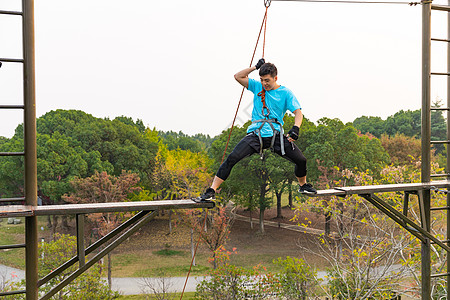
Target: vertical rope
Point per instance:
(193, 256)
(243, 88)
(263, 25)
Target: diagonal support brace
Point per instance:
(100, 255)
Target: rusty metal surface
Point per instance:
(16, 211)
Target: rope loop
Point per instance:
(267, 3)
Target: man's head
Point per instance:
(268, 74)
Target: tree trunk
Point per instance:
(251, 220)
(49, 222)
(109, 270)
(290, 198)
(261, 221)
(327, 223)
(278, 194)
(54, 225)
(64, 222)
(170, 221)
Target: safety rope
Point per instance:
(358, 2)
(263, 25)
(193, 256)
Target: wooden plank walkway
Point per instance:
(72, 209)
(371, 189)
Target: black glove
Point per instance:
(260, 63)
(293, 133)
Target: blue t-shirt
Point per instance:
(278, 101)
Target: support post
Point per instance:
(447, 169)
(31, 234)
(426, 147)
(80, 240)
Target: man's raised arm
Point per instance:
(242, 76)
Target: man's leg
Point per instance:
(242, 150)
(216, 182)
(294, 154)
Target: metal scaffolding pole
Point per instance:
(426, 147)
(447, 170)
(31, 235)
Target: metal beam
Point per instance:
(12, 293)
(402, 222)
(31, 226)
(426, 146)
(80, 241)
(448, 138)
(15, 13)
(12, 153)
(101, 254)
(12, 106)
(12, 199)
(15, 246)
(88, 208)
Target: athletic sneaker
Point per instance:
(307, 188)
(208, 195)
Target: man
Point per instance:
(270, 103)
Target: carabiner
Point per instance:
(267, 3)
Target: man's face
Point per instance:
(268, 82)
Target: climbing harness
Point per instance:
(266, 120)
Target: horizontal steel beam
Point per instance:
(3, 247)
(440, 142)
(12, 199)
(12, 60)
(439, 275)
(439, 108)
(68, 209)
(440, 7)
(12, 293)
(12, 153)
(441, 40)
(440, 208)
(15, 13)
(440, 73)
(16, 211)
(12, 106)
(440, 175)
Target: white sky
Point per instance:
(171, 62)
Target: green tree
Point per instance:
(335, 144)
(372, 125)
(104, 188)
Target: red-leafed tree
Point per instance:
(104, 188)
(215, 232)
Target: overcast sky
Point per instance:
(171, 62)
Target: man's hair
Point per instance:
(268, 69)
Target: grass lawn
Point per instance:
(12, 234)
(15, 234)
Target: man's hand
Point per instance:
(293, 133)
(260, 63)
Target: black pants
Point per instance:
(250, 145)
